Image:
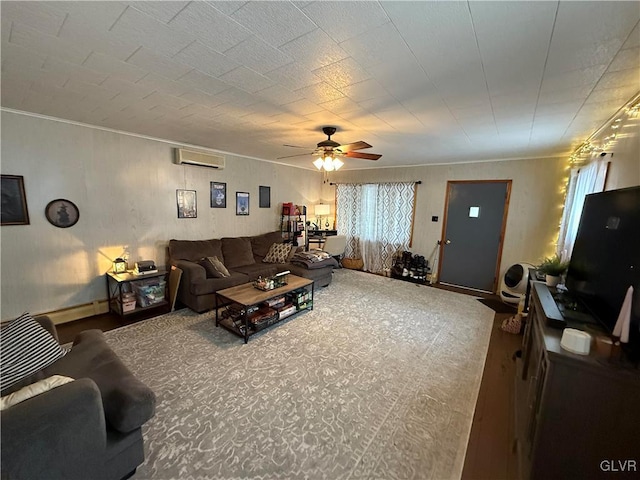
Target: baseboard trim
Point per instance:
(78, 312)
(464, 290)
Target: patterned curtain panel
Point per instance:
(376, 219)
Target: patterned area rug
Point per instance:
(380, 380)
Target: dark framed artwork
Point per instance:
(62, 213)
(218, 195)
(242, 203)
(14, 201)
(265, 197)
(187, 204)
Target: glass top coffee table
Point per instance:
(247, 310)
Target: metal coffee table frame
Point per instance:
(249, 298)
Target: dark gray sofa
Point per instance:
(242, 256)
(89, 428)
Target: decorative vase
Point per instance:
(552, 280)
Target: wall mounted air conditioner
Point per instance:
(192, 157)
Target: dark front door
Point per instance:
(475, 217)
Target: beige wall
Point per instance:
(537, 193)
(534, 211)
(125, 189)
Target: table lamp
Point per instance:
(321, 210)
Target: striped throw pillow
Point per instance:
(26, 348)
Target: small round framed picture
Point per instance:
(62, 213)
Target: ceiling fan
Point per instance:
(329, 152)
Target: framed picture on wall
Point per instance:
(187, 206)
(218, 195)
(62, 213)
(14, 201)
(242, 203)
(265, 197)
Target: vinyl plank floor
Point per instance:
(67, 331)
(490, 453)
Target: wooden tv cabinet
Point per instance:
(577, 416)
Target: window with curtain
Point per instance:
(377, 219)
(582, 181)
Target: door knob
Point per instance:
(447, 242)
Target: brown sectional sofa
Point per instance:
(242, 256)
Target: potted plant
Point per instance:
(553, 268)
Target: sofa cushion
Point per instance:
(194, 250)
(260, 244)
(214, 267)
(57, 435)
(25, 393)
(322, 276)
(211, 285)
(236, 252)
(128, 403)
(278, 253)
(259, 269)
(26, 348)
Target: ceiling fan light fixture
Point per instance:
(328, 163)
(328, 153)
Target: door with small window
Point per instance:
(473, 232)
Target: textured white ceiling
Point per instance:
(423, 82)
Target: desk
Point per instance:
(319, 236)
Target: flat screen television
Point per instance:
(606, 258)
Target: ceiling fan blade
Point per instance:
(295, 146)
(350, 147)
(366, 156)
(296, 155)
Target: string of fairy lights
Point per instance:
(626, 115)
(595, 145)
